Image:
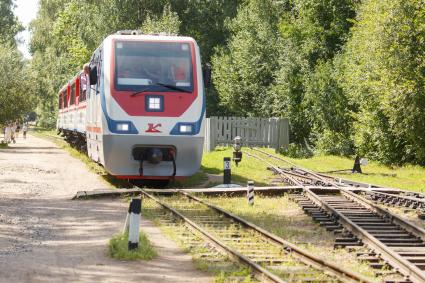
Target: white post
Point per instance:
(134, 223)
(250, 192)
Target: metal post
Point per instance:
(250, 192)
(227, 174)
(134, 223)
(356, 167)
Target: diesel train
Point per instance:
(140, 109)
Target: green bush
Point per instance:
(118, 248)
(295, 150)
(333, 143)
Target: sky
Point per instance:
(26, 11)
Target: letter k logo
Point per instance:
(152, 128)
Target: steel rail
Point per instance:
(312, 179)
(404, 266)
(288, 178)
(393, 258)
(301, 254)
(292, 164)
(340, 182)
(397, 199)
(410, 227)
(259, 272)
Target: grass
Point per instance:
(249, 169)
(3, 145)
(118, 248)
(407, 177)
(196, 180)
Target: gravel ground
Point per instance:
(44, 236)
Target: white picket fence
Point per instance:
(263, 132)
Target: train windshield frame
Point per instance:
(152, 65)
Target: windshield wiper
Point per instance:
(174, 87)
(141, 91)
(160, 84)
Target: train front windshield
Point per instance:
(153, 66)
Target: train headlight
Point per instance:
(186, 129)
(123, 127)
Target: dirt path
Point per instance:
(44, 236)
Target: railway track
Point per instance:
(270, 258)
(391, 197)
(398, 199)
(392, 241)
(302, 177)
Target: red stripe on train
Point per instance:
(151, 177)
(94, 129)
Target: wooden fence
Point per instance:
(264, 132)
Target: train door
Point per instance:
(93, 129)
(98, 109)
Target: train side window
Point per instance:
(77, 91)
(65, 100)
(60, 101)
(82, 94)
(72, 100)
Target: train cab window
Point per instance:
(72, 95)
(158, 66)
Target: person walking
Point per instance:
(7, 133)
(12, 132)
(24, 130)
(18, 129)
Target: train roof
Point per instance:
(152, 37)
(64, 88)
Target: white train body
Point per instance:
(144, 113)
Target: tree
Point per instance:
(306, 90)
(168, 22)
(65, 33)
(243, 71)
(383, 73)
(9, 24)
(15, 89)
